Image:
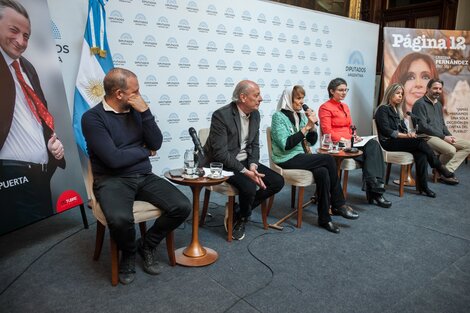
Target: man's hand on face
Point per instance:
(138, 103)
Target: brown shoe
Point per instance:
(448, 180)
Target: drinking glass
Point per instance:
(189, 162)
(216, 169)
(326, 142)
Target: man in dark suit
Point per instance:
(29, 148)
(234, 141)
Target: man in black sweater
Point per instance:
(121, 134)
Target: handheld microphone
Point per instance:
(196, 141)
(305, 107)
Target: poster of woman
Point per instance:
(413, 56)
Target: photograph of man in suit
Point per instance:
(234, 141)
(30, 150)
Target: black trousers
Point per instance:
(250, 196)
(329, 190)
(116, 196)
(422, 155)
(25, 194)
(373, 165)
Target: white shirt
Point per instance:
(25, 141)
(245, 126)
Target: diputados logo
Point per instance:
(220, 100)
(267, 98)
(184, 63)
(126, 39)
(318, 43)
(184, 25)
(118, 60)
(261, 52)
(162, 22)
(203, 99)
(185, 100)
(315, 99)
(301, 55)
(254, 33)
(203, 27)
(316, 70)
(327, 71)
(140, 20)
(238, 32)
(171, 43)
(211, 46)
(324, 57)
(192, 45)
(329, 44)
(267, 68)
(221, 66)
(184, 136)
(322, 84)
(151, 81)
(314, 27)
(229, 48)
(313, 56)
(312, 84)
(174, 154)
(307, 41)
(253, 67)
(261, 18)
(203, 64)
(192, 7)
(172, 81)
(229, 82)
(237, 66)
(173, 118)
(293, 69)
(276, 21)
(150, 41)
(305, 70)
(281, 69)
(275, 53)
(326, 30)
(193, 117)
(211, 10)
(166, 136)
(302, 25)
(287, 83)
(268, 36)
(221, 30)
(149, 3)
(261, 84)
(288, 54)
(246, 50)
(115, 17)
(141, 61)
(294, 40)
(246, 16)
(356, 66)
(171, 4)
(211, 82)
(301, 83)
(209, 116)
(281, 37)
(274, 83)
(164, 62)
(289, 23)
(229, 13)
(193, 82)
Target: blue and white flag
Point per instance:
(95, 62)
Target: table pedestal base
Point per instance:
(208, 258)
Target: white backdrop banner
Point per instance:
(189, 55)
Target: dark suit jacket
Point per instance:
(7, 90)
(388, 122)
(223, 143)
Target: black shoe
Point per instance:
(330, 227)
(449, 180)
(427, 192)
(127, 268)
(443, 171)
(150, 263)
(379, 199)
(239, 229)
(345, 211)
(375, 186)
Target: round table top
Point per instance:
(341, 153)
(200, 181)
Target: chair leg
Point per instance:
(387, 174)
(114, 262)
(100, 229)
(231, 204)
(264, 213)
(300, 206)
(170, 247)
(292, 197)
(345, 183)
(270, 205)
(402, 179)
(143, 228)
(207, 195)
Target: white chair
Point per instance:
(296, 178)
(225, 189)
(404, 159)
(143, 211)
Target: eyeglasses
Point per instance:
(343, 90)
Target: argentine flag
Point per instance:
(95, 62)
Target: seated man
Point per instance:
(121, 134)
(427, 113)
(234, 141)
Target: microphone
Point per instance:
(305, 107)
(196, 141)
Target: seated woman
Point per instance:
(394, 136)
(335, 119)
(289, 128)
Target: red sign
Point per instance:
(67, 200)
